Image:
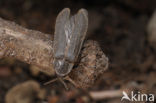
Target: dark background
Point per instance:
(118, 25)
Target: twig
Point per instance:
(36, 48)
(29, 46)
(101, 95)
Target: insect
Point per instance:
(70, 32)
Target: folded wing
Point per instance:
(70, 33)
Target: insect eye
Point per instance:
(58, 63)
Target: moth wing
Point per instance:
(76, 29)
(59, 36)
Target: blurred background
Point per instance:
(120, 27)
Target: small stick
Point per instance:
(36, 48)
(105, 94)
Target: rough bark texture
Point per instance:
(36, 48)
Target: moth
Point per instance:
(70, 32)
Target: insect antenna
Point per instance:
(51, 81)
(60, 79)
(71, 81)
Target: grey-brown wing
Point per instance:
(75, 30)
(59, 36)
(70, 33)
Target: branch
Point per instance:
(108, 94)
(101, 95)
(36, 48)
(29, 46)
